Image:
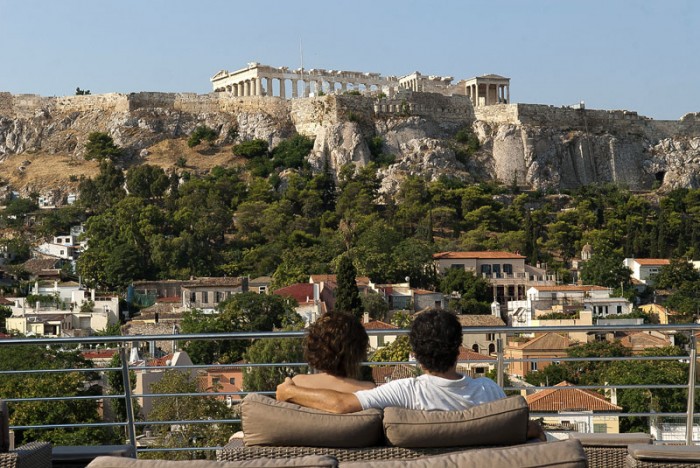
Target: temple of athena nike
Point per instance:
(264, 80)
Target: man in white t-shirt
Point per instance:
(435, 338)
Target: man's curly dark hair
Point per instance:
(435, 338)
(336, 344)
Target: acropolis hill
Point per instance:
(416, 116)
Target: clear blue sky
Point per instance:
(638, 55)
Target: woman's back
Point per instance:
(331, 382)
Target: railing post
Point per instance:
(499, 363)
(131, 423)
(691, 390)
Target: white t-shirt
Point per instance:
(428, 392)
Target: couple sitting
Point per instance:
(337, 344)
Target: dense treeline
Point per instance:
(275, 216)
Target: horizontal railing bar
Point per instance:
(55, 371)
(189, 421)
(300, 334)
(70, 426)
(65, 398)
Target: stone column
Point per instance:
(344, 86)
(508, 94)
(307, 88)
(258, 86)
(331, 87)
(283, 92)
(247, 88)
(295, 88)
(270, 89)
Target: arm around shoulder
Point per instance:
(322, 399)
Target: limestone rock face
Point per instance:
(338, 145)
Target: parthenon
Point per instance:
(264, 80)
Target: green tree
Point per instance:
(272, 351)
(347, 294)
(183, 408)
(251, 148)
(202, 133)
(5, 312)
(241, 312)
(46, 385)
(147, 181)
(115, 386)
(676, 273)
(396, 351)
(101, 146)
(375, 306)
(292, 153)
(96, 195)
(605, 268)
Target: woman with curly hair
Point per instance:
(335, 347)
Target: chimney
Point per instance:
(365, 317)
(92, 295)
(317, 293)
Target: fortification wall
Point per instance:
(454, 109)
(498, 113)
(6, 104)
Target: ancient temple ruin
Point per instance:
(264, 80)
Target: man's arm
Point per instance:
(322, 399)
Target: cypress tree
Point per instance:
(347, 295)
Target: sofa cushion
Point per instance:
(321, 461)
(267, 421)
(611, 440)
(563, 454)
(670, 454)
(500, 422)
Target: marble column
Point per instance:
(258, 86)
(295, 88)
(344, 86)
(283, 91)
(508, 94)
(246, 92)
(270, 89)
(307, 88)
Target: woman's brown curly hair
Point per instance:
(336, 344)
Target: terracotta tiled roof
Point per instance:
(36, 266)
(480, 321)
(466, 354)
(424, 291)
(5, 301)
(260, 280)
(161, 361)
(652, 261)
(476, 255)
(300, 292)
(379, 325)
(384, 374)
(571, 287)
(547, 341)
(568, 398)
(643, 340)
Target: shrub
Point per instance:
(251, 148)
(181, 162)
(201, 133)
(292, 153)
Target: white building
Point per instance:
(644, 269)
(543, 300)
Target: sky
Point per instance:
(638, 55)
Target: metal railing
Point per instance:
(132, 424)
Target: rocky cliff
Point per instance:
(42, 138)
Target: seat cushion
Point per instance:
(500, 422)
(267, 421)
(611, 440)
(563, 454)
(320, 461)
(669, 454)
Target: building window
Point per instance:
(218, 296)
(205, 297)
(438, 304)
(475, 348)
(232, 381)
(600, 428)
(262, 289)
(508, 268)
(215, 382)
(533, 366)
(193, 297)
(619, 309)
(496, 270)
(490, 336)
(492, 348)
(486, 270)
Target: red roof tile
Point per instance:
(568, 398)
(466, 354)
(300, 292)
(379, 325)
(652, 261)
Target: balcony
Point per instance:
(151, 437)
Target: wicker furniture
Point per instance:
(236, 451)
(608, 450)
(663, 456)
(31, 455)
